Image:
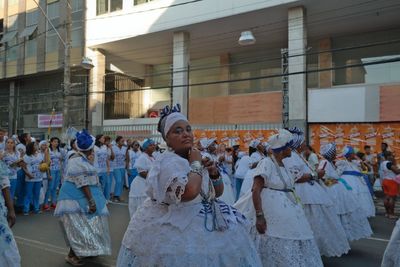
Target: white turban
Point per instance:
(205, 142)
(171, 119)
(280, 141)
(43, 142)
(254, 143)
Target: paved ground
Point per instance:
(41, 242)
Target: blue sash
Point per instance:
(69, 191)
(354, 173)
(348, 187)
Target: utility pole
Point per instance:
(285, 87)
(67, 69)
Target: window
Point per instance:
(77, 22)
(11, 38)
(30, 33)
(53, 12)
(138, 2)
(106, 6)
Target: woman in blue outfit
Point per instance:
(102, 164)
(33, 178)
(56, 159)
(119, 164)
(132, 154)
(81, 205)
(13, 161)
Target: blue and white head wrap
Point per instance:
(254, 143)
(147, 143)
(206, 142)
(297, 137)
(84, 141)
(281, 141)
(328, 151)
(347, 151)
(168, 118)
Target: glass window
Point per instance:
(31, 17)
(12, 50)
(115, 5)
(101, 7)
(31, 48)
(138, 2)
(12, 24)
(53, 12)
(77, 29)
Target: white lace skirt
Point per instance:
(10, 257)
(227, 196)
(366, 203)
(87, 236)
(391, 257)
(279, 252)
(134, 203)
(138, 187)
(328, 231)
(150, 242)
(344, 200)
(356, 225)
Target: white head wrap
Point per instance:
(328, 150)
(254, 143)
(43, 142)
(280, 141)
(21, 147)
(205, 142)
(171, 119)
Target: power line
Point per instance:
(375, 62)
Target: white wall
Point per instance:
(152, 17)
(345, 104)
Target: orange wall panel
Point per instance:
(235, 109)
(389, 103)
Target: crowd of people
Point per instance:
(198, 203)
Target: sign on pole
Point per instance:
(50, 121)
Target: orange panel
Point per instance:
(249, 108)
(389, 103)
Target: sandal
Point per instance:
(74, 261)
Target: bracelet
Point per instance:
(259, 214)
(196, 166)
(197, 172)
(217, 182)
(92, 202)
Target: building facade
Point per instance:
(342, 61)
(32, 57)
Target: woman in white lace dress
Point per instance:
(348, 209)
(182, 223)
(280, 229)
(349, 170)
(318, 206)
(82, 206)
(137, 192)
(9, 255)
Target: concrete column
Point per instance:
(297, 43)
(12, 110)
(180, 75)
(325, 61)
(97, 84)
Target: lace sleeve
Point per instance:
(175, 190)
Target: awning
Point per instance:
(8, 37)
(28, 31)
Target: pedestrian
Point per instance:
(182, 223)
(311, 157)
(282, 234)
(44, 168)
(82, 206)
(24, 140)
(33, 178)
(3, 139)
(9, 254)
(243, 164)
(354, 223)
(56, 159)
(391, 257)
(119, 164)
(349, 169)
(318, 206)
(132, 154)
(102, 164)
(13, 161)
(389, 170)
(137, 193)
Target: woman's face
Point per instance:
(43, 147)
(54, 143)
(180, 137)
(150, 149)
(102, 139)
(121, 142)
(10, 144)
(135, 146)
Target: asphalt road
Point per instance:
(41, 242)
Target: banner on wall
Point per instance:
(357, 135)
(235, 137)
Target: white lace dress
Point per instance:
(137, 193)
(289, 240)
(9, 254)
(319, 209)
(355, 224)
(391, 257)
(358, 185)
(167, 232)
